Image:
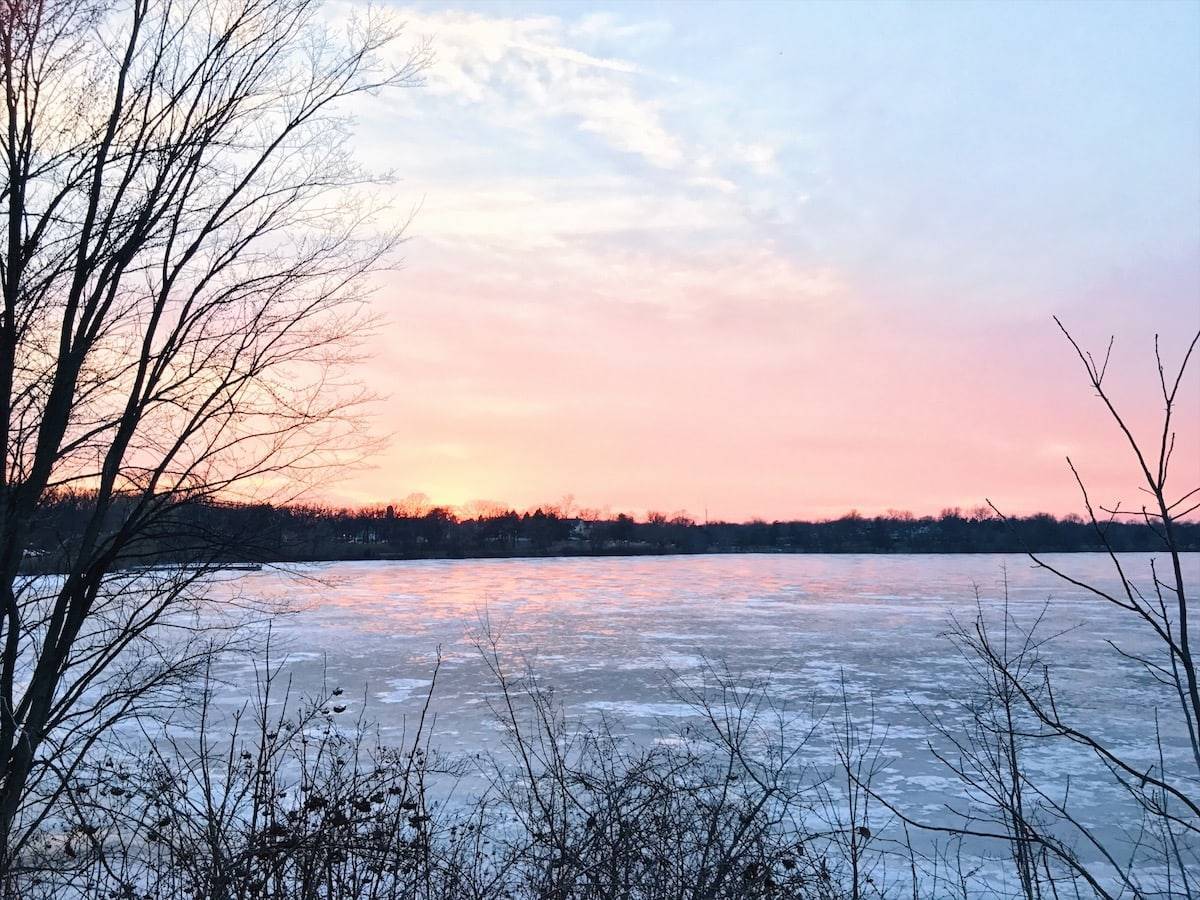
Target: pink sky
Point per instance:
(782, 293)
(776, 410)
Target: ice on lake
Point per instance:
(618, 637)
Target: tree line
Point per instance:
(265, 533)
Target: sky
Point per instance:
(782, 260)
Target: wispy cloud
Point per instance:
(522, 72)
(758, 156)
(638, 211)
(525, 68)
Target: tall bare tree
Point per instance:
(185, 239)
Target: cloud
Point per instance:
(532, 213)
(728, 287)
(724, 185)
(523, 68)
(759, 157)
(523, 216)
(605, 26)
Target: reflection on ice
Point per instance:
(621, 637)
(400, 689)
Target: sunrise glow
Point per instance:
(781, 261)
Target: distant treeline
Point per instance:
(264, 533)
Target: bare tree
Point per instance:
(1150, 846)
(295, 797)
(185, 240)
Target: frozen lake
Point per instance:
(609, 632)
(614, 635)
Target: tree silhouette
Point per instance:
(185, 236)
